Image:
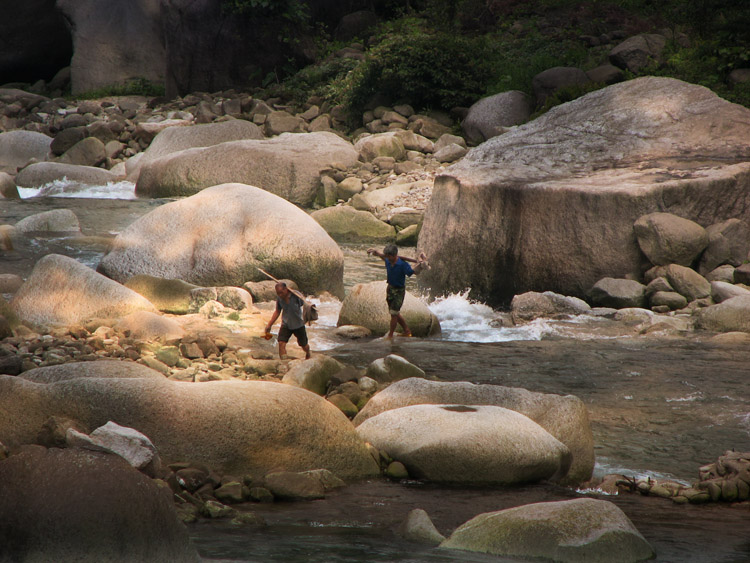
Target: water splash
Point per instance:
(68, 188)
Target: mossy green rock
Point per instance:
(346, 224)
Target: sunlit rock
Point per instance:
(564, 417)
(237, 427)
(17, 148)
(61, 291)
(288, 165)
(467, 444)
(222, 236)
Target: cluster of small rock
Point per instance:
(726, 480)
(675, 245)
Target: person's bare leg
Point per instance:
(282, 350)
(404, 328)
(306, 348)
(394, 320)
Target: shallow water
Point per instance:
(661, 407)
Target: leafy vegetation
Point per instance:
(447, 53)
(137, 87)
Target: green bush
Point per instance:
(430, 69)
(137, 87)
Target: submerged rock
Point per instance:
(573, 530)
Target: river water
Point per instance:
(659, 406)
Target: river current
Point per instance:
(659, 406)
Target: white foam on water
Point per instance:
(466, 320)
(602, 468)
(67, 188)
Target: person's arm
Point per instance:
(273, 319)
(375, 252)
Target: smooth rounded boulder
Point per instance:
(467, 444)
(365, 306)
(222, 236)
(77, 505)
(17, 148)
(728, 243)
(346, 224)
(288, 165)
(167, 295)
(668, 239)
(490, 116)
(550, 205)
(564, 417)
(570, 530)
(55, 221)
(61, 291)
(105, 369)
(618, 293)
(531, 305)
(236, 427)
(732, 315)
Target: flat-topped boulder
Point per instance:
(575, 530)
(467, 444)
(60, 291)
(564, 417)
(238, 427)
(115, 369)
(551, 204)
(288, 165)
(221, 236)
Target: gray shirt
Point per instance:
(291, 313)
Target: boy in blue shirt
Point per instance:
(397, 269)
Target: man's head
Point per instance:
(282, 290)
(391, 252)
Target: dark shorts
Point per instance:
(285, 334)
(394, 296)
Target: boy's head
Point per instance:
(390, 250)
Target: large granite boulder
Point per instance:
(687, 282)
(365, 306)
(549, 81)
(467, 444)
(77, 505)
(551, 204)
(167, 295)
(531, 305)
(638, 51)
(238, 427)
(60, 291)
(42, 173)
(564, 417)
(114, 42)
(17, 148)
(288, 165)
(221, 236)
(618, 293)
(570, 530)
(490, 116)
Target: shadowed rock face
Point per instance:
(78, 505)
(551, 205)
(34, 41)
(114, 42)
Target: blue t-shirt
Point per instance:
(397, 272)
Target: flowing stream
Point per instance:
(659, 406)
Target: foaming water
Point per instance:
(68, 188)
